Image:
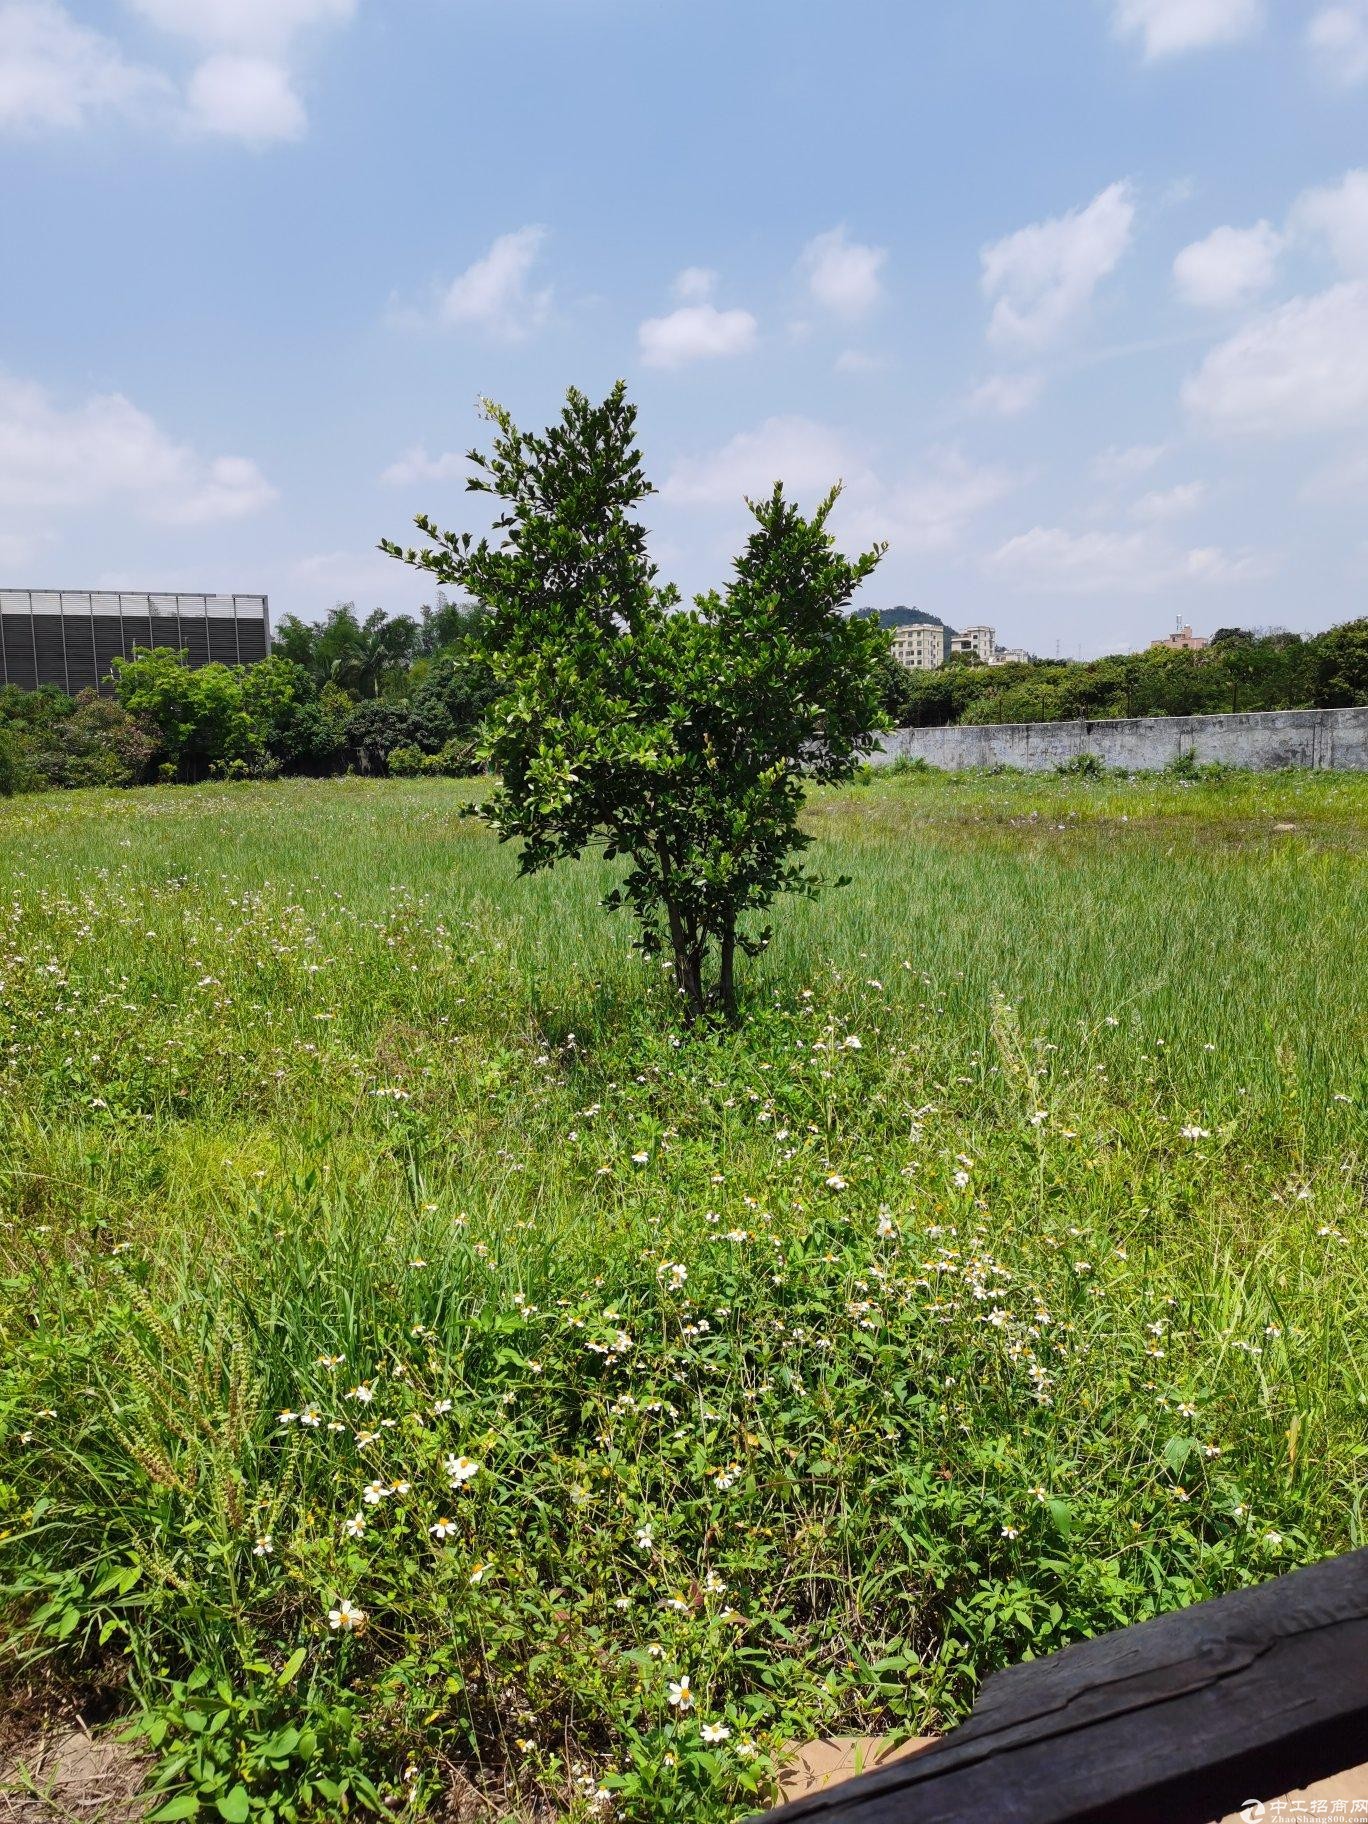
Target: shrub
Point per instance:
(405, 761)
(1083, 766)
(14, 773)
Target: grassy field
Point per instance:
(420, 1371)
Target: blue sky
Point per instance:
(1073, 294)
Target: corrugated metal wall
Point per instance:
(69, 637)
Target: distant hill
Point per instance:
(906, 617)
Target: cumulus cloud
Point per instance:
(1050, 560)
(695, 332)
(1338, 40)
(843, 275)
(244, 25)
(1338, 215)
(416, 465)
(1042, 278)
(55, 73)
(1230, 267)
(805, 455)
(1301, 367)
(1165, 28)
(495, 294)
(695, 284)
(106, 451)
(1170, 503)
(1007, 395)
(247, 98)
(925, 508)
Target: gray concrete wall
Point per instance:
(1335, 738)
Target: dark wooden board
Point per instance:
(1178, 1720)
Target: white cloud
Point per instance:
(1123, 463)
(1007, 395)
(1167, 27)
(366, 577)
(416, 465)
(695, 284)
(1301, 367)
(924, 509)
(247, 98)
(843, 275)
(1170, 503)
(695, 332)
(1042, 278)
(106, 452)
(1338, 38)
(1338, 214)
(1231, 267)
(249, 26)
(930, 508)
(56, 73)
(494, 293)
(806, 456)
(1049, 560)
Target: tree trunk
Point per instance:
(726, 984)
(689, 975)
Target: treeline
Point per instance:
(386, 694)
(405, 695)
(1238, 671)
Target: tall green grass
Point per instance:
(998, 1282)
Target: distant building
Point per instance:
(1011, 655)
(919, 646)
(979, 642)
(70, 637)
(1183, 640)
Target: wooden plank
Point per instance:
(1175, 1721)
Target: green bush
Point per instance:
(14, 772)
(406, 762)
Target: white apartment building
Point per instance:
(919, 647)
(979, 642)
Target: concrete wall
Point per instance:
(1335, 738)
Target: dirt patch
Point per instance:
(813, 1766)
(71, 1777)
(61, 1761)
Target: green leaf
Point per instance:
(292, 1665)
(235, 1806)
(186, 1806)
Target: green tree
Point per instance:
(198, 715)
(678, 740)
(1340, 660)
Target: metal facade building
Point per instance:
(70, 637)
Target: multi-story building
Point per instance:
(979, 642)
(920, 646)
(70, 637)
(1011, 655)
(1184, 640)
